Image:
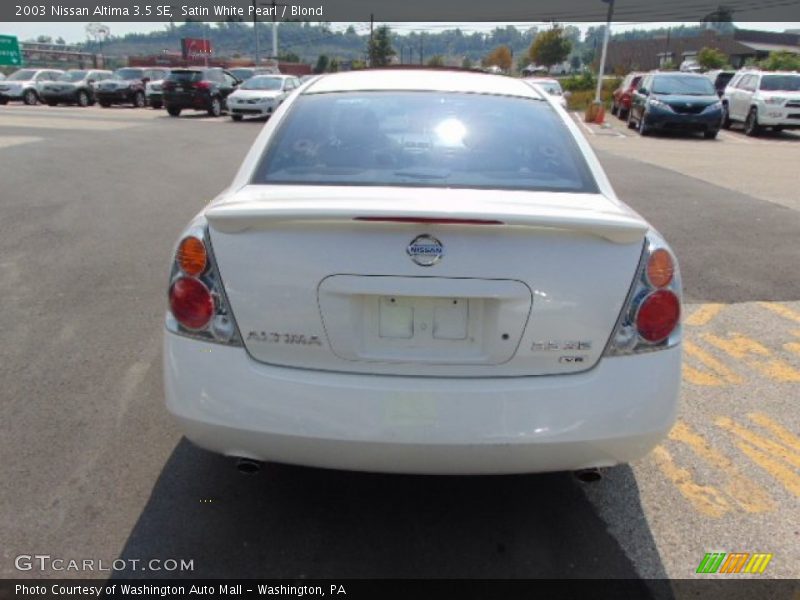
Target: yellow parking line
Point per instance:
(781, 310)
(691, 349)
(744, 348)
(784, 435)
(698, 377)
(703, 315)
(706, 499)
(786, 476)
(758, 441)
(743, 490)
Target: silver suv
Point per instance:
(763, 99)
(26, 84)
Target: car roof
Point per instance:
(433, 80)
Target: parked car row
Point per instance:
(710, 101)
(254, 92)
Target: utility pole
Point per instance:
(274, 30)
(604, 51)
(255, 31)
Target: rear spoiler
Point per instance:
(236, 217)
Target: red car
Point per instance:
(621, 103)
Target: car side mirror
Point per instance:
(644, 91)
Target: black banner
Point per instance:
(502, 11)
(708, 589)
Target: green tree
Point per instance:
(44, 39)
(333, 67)
(466, 63)
(711, 58)
(436, 61)
(379, 48)
(550, 48)
(781, 61)
(60, 41)
(323, 63)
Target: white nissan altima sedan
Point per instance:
(423, 272)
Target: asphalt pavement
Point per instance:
(92, 201)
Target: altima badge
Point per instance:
(425, 250)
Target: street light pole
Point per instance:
(604, 50)
(255, 31)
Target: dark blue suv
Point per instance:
(675, 102)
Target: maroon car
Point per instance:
(621, 102)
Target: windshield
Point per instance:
(24, 75)
(263, 83)
(73, 76)
(783, 83)
(689, 85)
(128, 74)
(428, 139)
(242, 73)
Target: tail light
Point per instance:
(202, 85)
(650, 318)
(198, 306)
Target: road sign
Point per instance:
(10, 54)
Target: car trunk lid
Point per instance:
(525, 283)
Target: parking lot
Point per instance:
(92, 201)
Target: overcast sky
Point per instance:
(76, 32)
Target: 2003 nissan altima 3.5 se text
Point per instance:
(423, 272)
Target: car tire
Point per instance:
(174, 111)
(751, 126)
(30, 97)
(631, 122)
(644, 130)
(710, 135)
(614, 109)
(215, 108)
(157, 105)
(236, 117)
(623, 113)
(83, 99)
(139, 101)
(726, 117)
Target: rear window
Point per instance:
(782, 83)
(428, 139)
(186, 76)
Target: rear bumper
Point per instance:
(781, 117)
(228, 403)
(193, 101)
